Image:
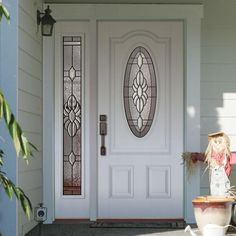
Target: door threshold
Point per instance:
(71, 221)
(139, 223)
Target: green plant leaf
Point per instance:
(6, 111)
(11, 190)
(16, 133)
(1, 106)
(23, 147)
(1, 157)
(4, 12)
(25, 203)
(21, 144)
(7, 185)
(24, 200)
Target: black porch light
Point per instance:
(46, 21)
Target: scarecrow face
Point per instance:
(218, 144)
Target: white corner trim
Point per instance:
(48, 127)
(192, 112)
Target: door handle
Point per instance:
(103, 133)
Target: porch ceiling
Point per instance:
(128, 1)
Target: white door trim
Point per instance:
(191, 15)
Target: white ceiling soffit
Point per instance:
(128, 1)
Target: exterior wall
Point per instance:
(30, 105)
(218, 75)
(218, 87)
(8, 84)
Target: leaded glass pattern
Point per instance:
(140, 91)
(72, 84)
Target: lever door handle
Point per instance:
(103, 133)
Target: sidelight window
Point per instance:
(72, 84)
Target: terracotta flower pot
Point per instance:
(212, 210)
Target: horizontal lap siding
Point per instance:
(30, 105)
(218, 76)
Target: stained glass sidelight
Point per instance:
(140, 91)
(72, 84)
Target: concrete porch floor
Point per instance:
(85, 229)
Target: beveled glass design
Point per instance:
(72, 85)
(140, 91)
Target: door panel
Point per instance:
(139, 177)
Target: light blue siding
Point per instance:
(8, 83)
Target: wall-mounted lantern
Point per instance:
(46, 21)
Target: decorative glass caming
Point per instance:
(140, 91)
(72, 84)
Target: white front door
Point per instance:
(140, 92)
(139, 167)
(138, 177)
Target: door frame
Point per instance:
(191, 16)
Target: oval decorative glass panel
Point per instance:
(140, 91)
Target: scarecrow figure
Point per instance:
(218, 157)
